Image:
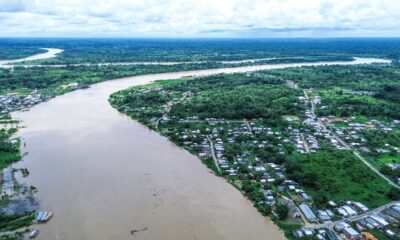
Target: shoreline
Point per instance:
(200, 72)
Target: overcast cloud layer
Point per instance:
(199, 18)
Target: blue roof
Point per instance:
(308, 213)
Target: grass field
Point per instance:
(339, 124)
(340, 176)
(388, 159)
(291, 118)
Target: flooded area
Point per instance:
(106, 176)
(7, 187)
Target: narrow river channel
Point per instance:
(104, 175)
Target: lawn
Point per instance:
(291, 118)
(388, 159)
(339, 124)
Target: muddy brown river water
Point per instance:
(103, 174)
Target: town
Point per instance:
(232, 148)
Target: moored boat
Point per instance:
(48, 216)
(44, 216)
(39, 216)
(34, 233)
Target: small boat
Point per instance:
(39, 216)
(48, 216)
(34, 233)
(44, 216)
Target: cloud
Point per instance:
(12, 6)
(196, 17)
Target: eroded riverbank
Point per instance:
(105, 175)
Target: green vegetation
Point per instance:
(222, 102)
(379, 235)
(9, 150)
(282, 211)
(125, 50)
(337, 176)
(388, 159)
(13, 50)
(9, 153)
(363, 90)
(288, 228)
(224, 108)
(14, 222)
(234, 96)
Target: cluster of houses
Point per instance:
(382, 221)
(212, 137)
(317, 124)
(303, 141)
(13, 102)
(351, 220)
(320, 234)
(274, 174)
(352, 133)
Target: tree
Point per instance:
(282, 211)
(394, 194)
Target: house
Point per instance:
(342, 212)
(340, 226)
(308, 213)
(308, 232)
(323, 215)
(294, 213)
(359, 206)
(390, 233)
(331, 235)
(352, 234)
(350, 211)
(380, 220)
(298, 233)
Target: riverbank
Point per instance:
(207, 116)
(83, 132)
(17, 204)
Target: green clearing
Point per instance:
(291, 118)
(338, 176)
(382, 160)
(360, 119)
(339, 124)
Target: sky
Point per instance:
(200, 18)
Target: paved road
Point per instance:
(248, 125)
(305, 143)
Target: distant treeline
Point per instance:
(124, 50)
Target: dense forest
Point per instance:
(124, 50)
(12, 50)
(235, 96)
(50, 78)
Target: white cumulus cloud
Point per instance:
(261, 18)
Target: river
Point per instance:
(103, 174)
(51, 53)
